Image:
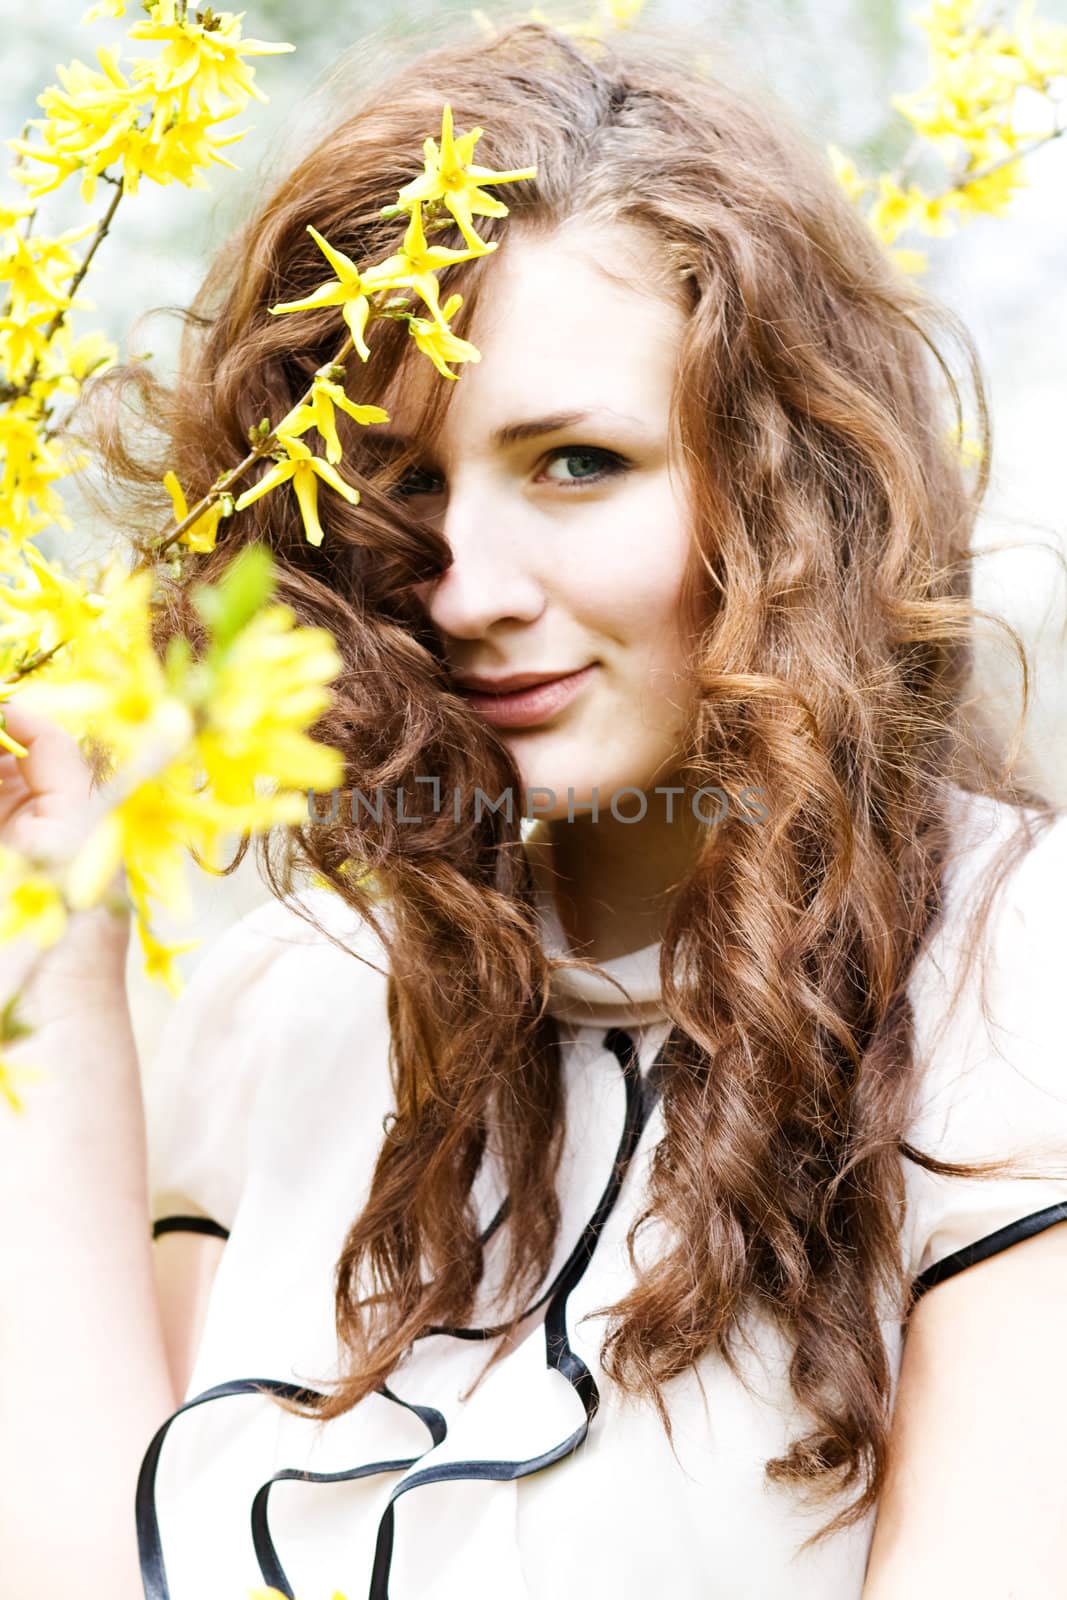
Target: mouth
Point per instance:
(530, 704)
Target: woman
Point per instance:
(616, 1221)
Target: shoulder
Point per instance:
(312, 930)
(280, 1005)
(990, 958)
(989, 1059)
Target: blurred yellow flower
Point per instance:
(45, 606)
(10, 1074)
(105, 8)
(911, 261)
(31, 905)
(847, 173)
(160, 958)
(271, 682)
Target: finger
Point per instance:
(53, 763)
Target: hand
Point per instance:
(48, 809)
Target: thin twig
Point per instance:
(11, 391)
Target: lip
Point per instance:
(506, 682)
(534, 697)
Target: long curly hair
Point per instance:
(830, 587)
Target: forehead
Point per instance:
(577, 320)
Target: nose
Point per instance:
(492, 579)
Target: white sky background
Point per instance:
(835, 63)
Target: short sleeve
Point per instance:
(993, 1085)
(215, 1050)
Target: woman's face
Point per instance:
(569, 540)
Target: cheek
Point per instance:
(630, 582)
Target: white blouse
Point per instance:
(265, 1107)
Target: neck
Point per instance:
(613, 881)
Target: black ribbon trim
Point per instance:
(990, 1245)
(189, 1225)
(641, 1098)
(153, 1571)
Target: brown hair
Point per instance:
(830, 581)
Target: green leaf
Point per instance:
(228, 605)
(11, 1026)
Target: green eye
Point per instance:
(605, 463)
(600, 464)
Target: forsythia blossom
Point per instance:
(967, 113)
(158, 120)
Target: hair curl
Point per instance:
(830, 587)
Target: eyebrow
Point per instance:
(528, 428)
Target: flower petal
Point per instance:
(270, 480)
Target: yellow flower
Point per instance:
(448, 176)
(1042, 46)
(989, 195)
(108, 677)
(22, 342)
(67, 361)
(305, 470)
(436, 340)
(415, 263)
(63, 166)
(348, 290)
(272, 683)
(623, 12)
(200, 537)
(276, 1594)
(150, 828)
(180, 151)
(34, 268)
(319, 413)
(31, 905)
(30, 466)
(9, 1075)
(160, 958)
(105, 8)
(966, 444)
(912, 261)
(88, 123)
(200, 63)
(159, 122)
(896, 209)
(847, 173)
(7, 742)
(47, 605)
(10, 215)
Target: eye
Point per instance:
(408, 486)
(605, 464)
